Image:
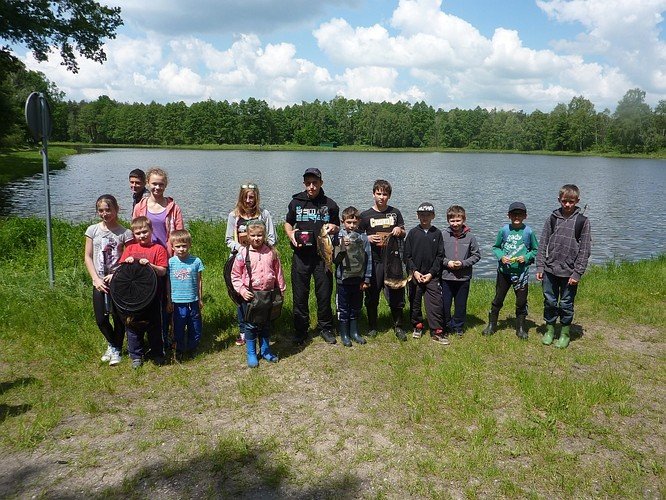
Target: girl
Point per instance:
(266, 273)
(247, 208)
(164, 214)
(105, 242)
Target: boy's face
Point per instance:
(312, 185)
(255, 235)
(351, 223)
(136, 184)
(456, 222)
(143, 235)
(568, 203)
(381, 199)
(181, 249)
(517, 217)
(425, 218)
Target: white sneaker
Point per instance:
(115, 357)
(107, 355)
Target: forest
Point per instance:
(576, 126)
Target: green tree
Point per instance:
(68, 24)
(632, 120)
(581, 124)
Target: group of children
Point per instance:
(369, 250)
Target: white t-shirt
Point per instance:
(108, 246)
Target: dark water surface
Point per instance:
(625, 197)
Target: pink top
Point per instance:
(172, 221)
(266, 270)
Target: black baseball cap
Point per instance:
(517, 206)
(313, 171)
(426, 207)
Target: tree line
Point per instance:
(576, 126)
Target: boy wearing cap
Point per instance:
(379, 222)
(515, 249)
(424, 250)
(308, 213)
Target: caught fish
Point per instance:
(325, 247)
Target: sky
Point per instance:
(504, 54)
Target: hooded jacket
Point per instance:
(174, 217)
(559, 252)
(464, 248)
(310, 214)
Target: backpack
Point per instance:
(233, 294)
(580, 221)
(395, 273)
(527, 235)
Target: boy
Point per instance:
(185, 293)
(564, 249)
(461, 252)
(137, 184)
(515, 248)
(424, 251)
(309, 213)
(150, 254)
(379, 222)
(353, 260)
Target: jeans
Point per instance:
(254, 331)
(240, 313)
(188, 316)
(455, 292)
(502, 285)
(557, 289)
(348, 301)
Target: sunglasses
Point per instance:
(248, 186)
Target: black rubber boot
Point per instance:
(396, 314)
(353, 332)
(372, 322)
(343, 328)
(521, 331)
(491, 327)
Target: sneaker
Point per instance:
(106, 357)
(328, 336)
(137, 363)
(440, 337)
(418, 331)
(400, 333)
(115, 357)
(240, 340)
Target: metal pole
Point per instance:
(47, 189)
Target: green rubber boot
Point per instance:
(563, 341)
(549, 335)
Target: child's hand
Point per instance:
(506, 259)
(365, 286)
(425, 278)
(143, 261)
(292, 238)
(99, 285)
(418, 276)
(129, 260)
(572, 282)
(247, 295)
(520, 259)
(108, 278)
(539, 276)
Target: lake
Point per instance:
(624, 197)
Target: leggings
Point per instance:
(115, 334)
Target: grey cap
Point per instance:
(517, 205)
(426, 207)
(313, 171)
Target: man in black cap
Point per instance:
(309, 212)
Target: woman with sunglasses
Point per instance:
(247, 209)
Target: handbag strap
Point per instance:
(248, 266)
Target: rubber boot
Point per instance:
(372, 322)
(251, 349)
(521, 331)
(396, 314)
(549, 335)
(491, 327)
(353, 332)
(564, 339)
(343, 327)
(265, 350)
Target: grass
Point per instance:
(18, 163)
(482, 417)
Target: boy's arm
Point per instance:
(368, 262)
(409, 262)
(543, 245)
(200, 289)
(498, 251)
(584, 249)
(474, 253)
(534, 245)
(436, 267)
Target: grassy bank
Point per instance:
(482, 417)
(17, 163)
(360, 148)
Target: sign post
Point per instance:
(38, 118)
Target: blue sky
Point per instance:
(509, 54)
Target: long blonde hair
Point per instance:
(241, 209)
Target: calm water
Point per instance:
(625, 197)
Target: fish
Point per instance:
(325, 247)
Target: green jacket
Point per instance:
(514, 245)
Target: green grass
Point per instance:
(482, 417)
(18, 163)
